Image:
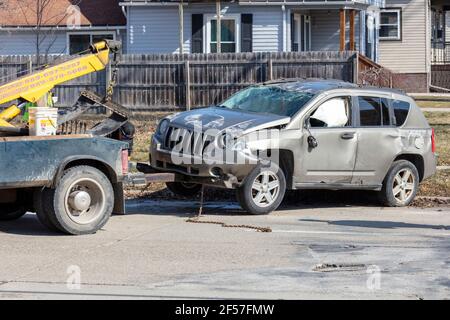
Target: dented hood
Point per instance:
(226, 119)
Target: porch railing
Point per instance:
(440, 52)
(371, 73)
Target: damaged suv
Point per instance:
(299, 134)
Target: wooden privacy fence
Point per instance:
(173, 81)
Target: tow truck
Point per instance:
(74, 182)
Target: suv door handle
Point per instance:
(348, 135)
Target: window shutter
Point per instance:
(197, 33)
(246, 32)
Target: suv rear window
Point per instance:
(373, 111)
(401, 110)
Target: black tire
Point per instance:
(247, 196)
(84, 179)
(12, 211)
(41, 200)
(184, 189)
(389, 194)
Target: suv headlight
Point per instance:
(162, 127)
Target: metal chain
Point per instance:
(113, 82)
(197, 218)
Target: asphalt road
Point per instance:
(334, 251)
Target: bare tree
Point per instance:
(42, 17)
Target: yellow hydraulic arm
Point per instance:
(36, 85)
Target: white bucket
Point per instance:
(43, 121)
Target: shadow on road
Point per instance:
(223, 202)
(378, 224)
(28, 225)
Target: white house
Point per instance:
(189, 26)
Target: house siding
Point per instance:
(325, 33)
(23, 42)
(410, 54)
(155, 29)
(152, 30)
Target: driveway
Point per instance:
(338, 251)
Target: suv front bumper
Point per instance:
(196, 169)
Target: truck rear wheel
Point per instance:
(42, 199)
(83, 201)
(12, 211)
(17, 208)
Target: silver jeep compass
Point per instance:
(299, 134)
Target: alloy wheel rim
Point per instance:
(265, 189)
(403, 185)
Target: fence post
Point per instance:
(269, 75)
(187, 81)
(355, 68)
(30, 64)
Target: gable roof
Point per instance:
(22, 13)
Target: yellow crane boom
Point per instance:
(36, 85)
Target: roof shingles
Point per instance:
(22, 13)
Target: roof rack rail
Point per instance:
(282, 80)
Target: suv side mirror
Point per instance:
(312, 141)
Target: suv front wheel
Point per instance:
(263, 189)
(400, 185)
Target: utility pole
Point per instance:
(181, 20)
(218, 27)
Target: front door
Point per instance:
(333, 159)
(300, 32)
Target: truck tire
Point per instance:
(263, 189)
(184, 189)
(12, 211)
(82, 201)
(400, 185)
(41, 200)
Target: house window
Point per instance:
(78, 42)
(390, 24)
(230, 34)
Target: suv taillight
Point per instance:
(125, 161)
(433, 141)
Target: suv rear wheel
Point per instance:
(263, 189)
(400, 185)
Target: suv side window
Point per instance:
(333, 113)
(401, 110)
(373, 112)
